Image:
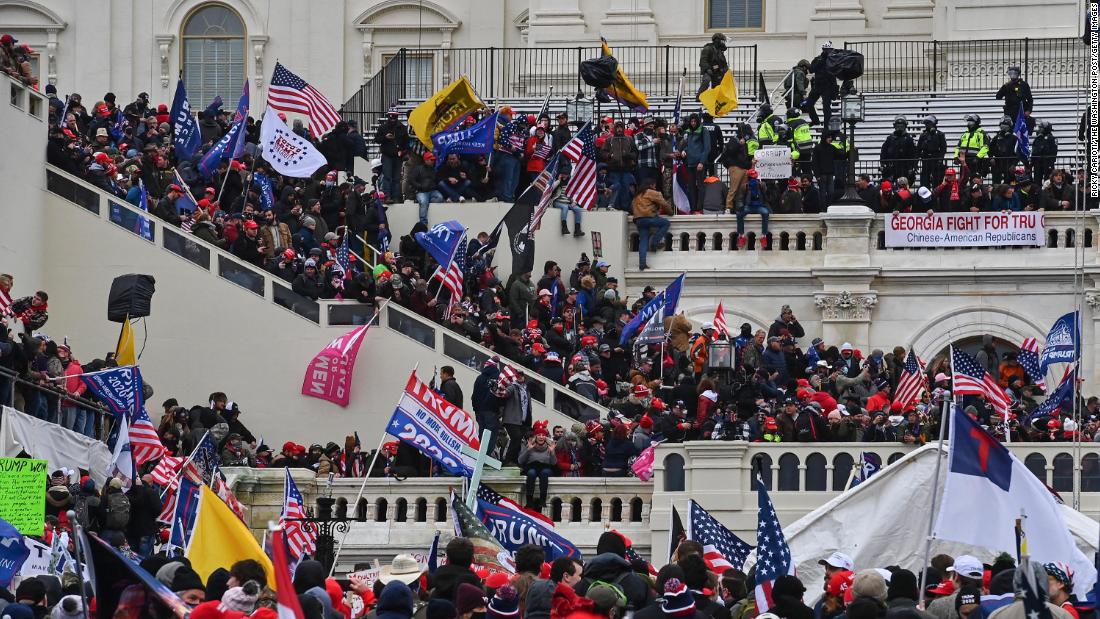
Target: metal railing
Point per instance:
(945, 66)
(516, 72)
(12, 383)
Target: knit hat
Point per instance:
(869, 584)
(17, 611)
(241, 598)
(31, 589)
(70, 607)
(185, 579)
(677, 600)
(968, 595)
(469, 597)
(788, 586)
(440, 609)
(606, 596)
(504, 605)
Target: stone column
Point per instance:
(164, 46)
(557, 21)
(848, 240)
(846, 298)
(1090, 354)
(629, 22)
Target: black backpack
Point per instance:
(118, 511)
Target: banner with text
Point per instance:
(965, 229)
(773, 162)
(328, 375)
(23, 494)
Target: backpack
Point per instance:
(118, 511)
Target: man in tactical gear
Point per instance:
(1002, 149)
(931, 148)
(1044, 149)
(972, 150)
(1016, 91)
(824, 86)
(712, 63)
(899, 152)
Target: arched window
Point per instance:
(213, 55)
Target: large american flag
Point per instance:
(581, 150)
(1029, 359)
(507, 376)
(721, 548)
(290, 93)
(547, 183)
(452, 279)
(912, 380)
(220, 486)
(5, 303)
(773, 557)
(301, 537)
(971, 379)
(144, 440)
(720, 320)
(343, 254)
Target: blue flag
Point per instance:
(214, 106)
(186, 512)
(442, 240)
(118, 388)
(1063, 393)
(186, 201)
(205, 458)
(1063, 343)
(672, 295)
(229, 147)
(13, 552)
(144, 229)
(648, 311)
(869, 463)
(267, 193)
(242, 105)
(1023, 143)
(514, 528)
(433, 554)
(476, 140)
(186, 138)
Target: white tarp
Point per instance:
(884, 521)
(54, 444)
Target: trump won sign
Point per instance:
(965, 229)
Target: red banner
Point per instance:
(328, 375)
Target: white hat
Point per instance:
(924, 193)
(846, 346)
(837, 559)
(545, 292)
(967, 566)
(405, 568)
(708, 325)
(1070, 425)
(827, 45)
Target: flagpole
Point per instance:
(947, 405)
(228, 171)
(78, 534)
(183, 467)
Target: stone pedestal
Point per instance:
(555, 22)
(629, 22)
(842, 17)
(848, 237)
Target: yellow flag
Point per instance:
(622, 89)
(220, 539)
(444, 108)
(124, 352)
(722, 98)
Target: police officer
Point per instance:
(972, 150)
(898, 156)
(840, 158)
(931, 148)
(765, 132)
(803, 140)
(1044, 149)
(824, 86)
(712, 63)
(1016, 91)
(1002, 148)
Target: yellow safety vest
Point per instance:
(973, 143)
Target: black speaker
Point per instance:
(131, 295)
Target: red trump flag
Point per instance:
(328, 375)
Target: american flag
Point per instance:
(720, 320)
(1029, 359)
(301, 537)
(290, 93)
(343, 255)
(971, 379)
(204, 459)
(581, 150)
(220, 486)
(507, 376)
(144, 440)
(487, 494)
(912, 380)
(547, 183)
(454, 277)
(167, 470)
(773, 557)
(5, 303)
(721, 548)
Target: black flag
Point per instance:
(518, 221)
(763, 90)
(676, 533)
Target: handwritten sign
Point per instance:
(23, 494)
(773, 162)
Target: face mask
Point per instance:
(972, 125)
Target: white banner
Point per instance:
(773, 162)
(965, 229)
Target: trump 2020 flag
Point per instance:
(1063, 342)
(514, 526)
(987, 489)
(119, 388)
(186, 138)
(439, 429)
(328, 375)
(441, 241)
(288, 153)
(1023, 142)
(668, 300)
(477, 140)
(229, 147)
(267, 192)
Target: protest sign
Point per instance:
(965, 229)
(773, 162)
(43, 561)
(23, 494)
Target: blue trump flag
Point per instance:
(1023, 142)
(144, 229)
(229, 147)
(441, 241)
(672, 295)
(185, 130)
(1062, 393)
(13, 552)
(477, 140)
(242, 105)
(869, 463)
(1063, 343)
(267, 193)
(669, 300)
(118, 388)
(513, 529)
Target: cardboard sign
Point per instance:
(23, 494)
(773, 162)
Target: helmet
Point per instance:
(1006, 123)
(827, 45)
(718, 36)
(376, 163)
(764, 111)
(973, 119)
(900, 120)
(834, 123)
(1013, 72)
(782, 130)
(931, 120)
(793, 112)
(1045, 126)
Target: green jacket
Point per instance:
(973, 143)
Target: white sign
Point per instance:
(773, 162)
(40, 560)
(965, 229)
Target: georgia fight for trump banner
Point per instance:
(328, 375)
(434, 426)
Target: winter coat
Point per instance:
(679, 330)
(713, 195)
(649, 203)
(711, 56)
(517, 406)
(612, 568)
(538, 455)
(697, 144)
(620, 153)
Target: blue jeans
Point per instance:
(391, 177)
(424, 198)
(753, 210)
(68, 417)
(541, 472)
(85, 422)
(506, 176)
(37, 406)
(454, 192)
(620, 183)
(649, 227)
(565, 207)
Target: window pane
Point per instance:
(214, 20)
(213, 67)
(736, 14)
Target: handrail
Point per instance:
(54, 390)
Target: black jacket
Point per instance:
(445, 581)
(932, 144)
(452, 392)
(614, 569)
(390, 147)
(824, 81)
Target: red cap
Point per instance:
(839, 583)
(647, 421)
(538, 348)
(175, 188)
(770, 424)
(236, 165)
(886, 186)
(752, 173)
(496, 580)
(658, 404)
(944, 588)
(640, 391)
(210, 190)
(251, 225)
(532, 324)
(949, 172)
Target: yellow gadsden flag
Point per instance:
(124, 352)
(622, 89)
(220, 539)
(443, 109)
(722, 98)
